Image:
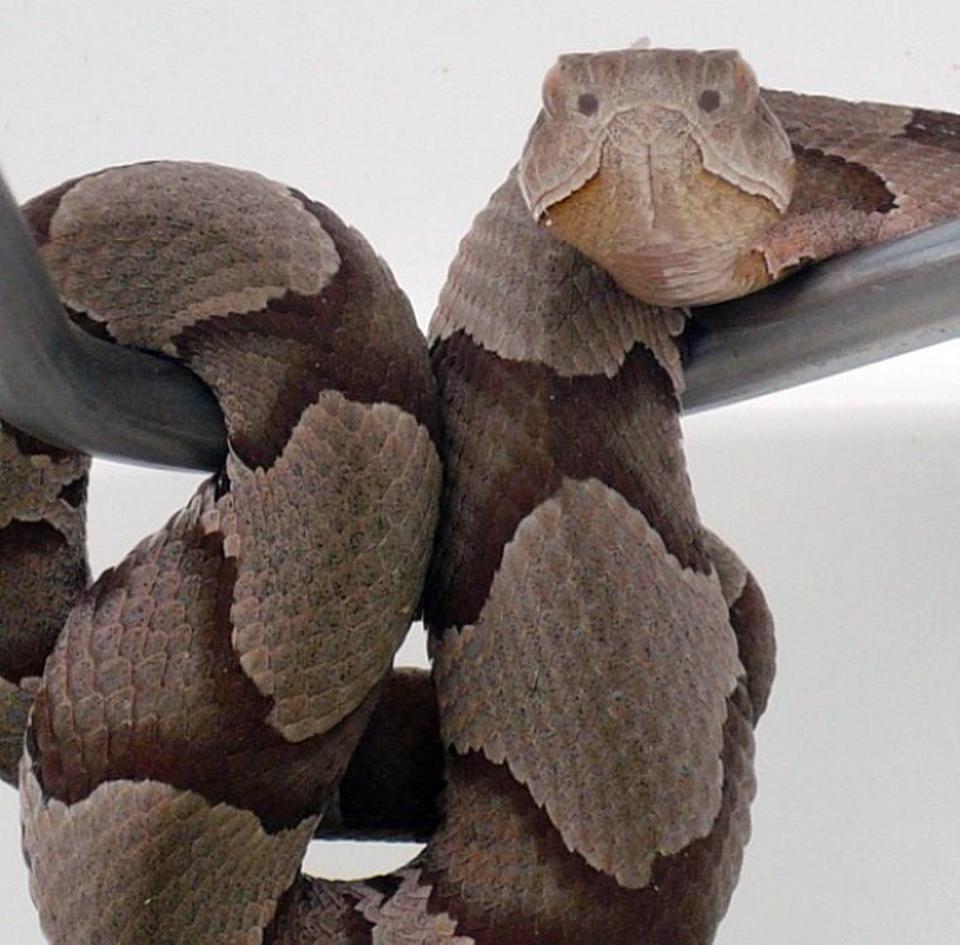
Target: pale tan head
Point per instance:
(662, 165)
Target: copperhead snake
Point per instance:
(600, 659)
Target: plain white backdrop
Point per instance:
(842, 495)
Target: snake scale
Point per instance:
(580, 759)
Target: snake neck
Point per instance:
(523, 295)
(546, 372)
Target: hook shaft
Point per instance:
(852, 310)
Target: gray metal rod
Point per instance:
(849, 311)
(73, 390)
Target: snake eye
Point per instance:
(587, 104)
(709, 100)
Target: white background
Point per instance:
(842, 495)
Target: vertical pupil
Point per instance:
(588, 103)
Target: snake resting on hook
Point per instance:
(183, 726)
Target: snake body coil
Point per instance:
(600, 659)
(205, 696)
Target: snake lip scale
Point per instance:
(579, 762)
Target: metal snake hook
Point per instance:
(73, 390)
(852, 310)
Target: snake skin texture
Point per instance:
(204, 697)
(43, 558)
(580, 761)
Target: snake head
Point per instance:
(662, 165)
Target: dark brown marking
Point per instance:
(512, 430)
(358, 336)
(217, 742)
(826, 181)
(315, 911)
(514, 881)
(391, 788)
(752, 622)
(42, 576)
(934, 129)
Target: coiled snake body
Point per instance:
(600, 659)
